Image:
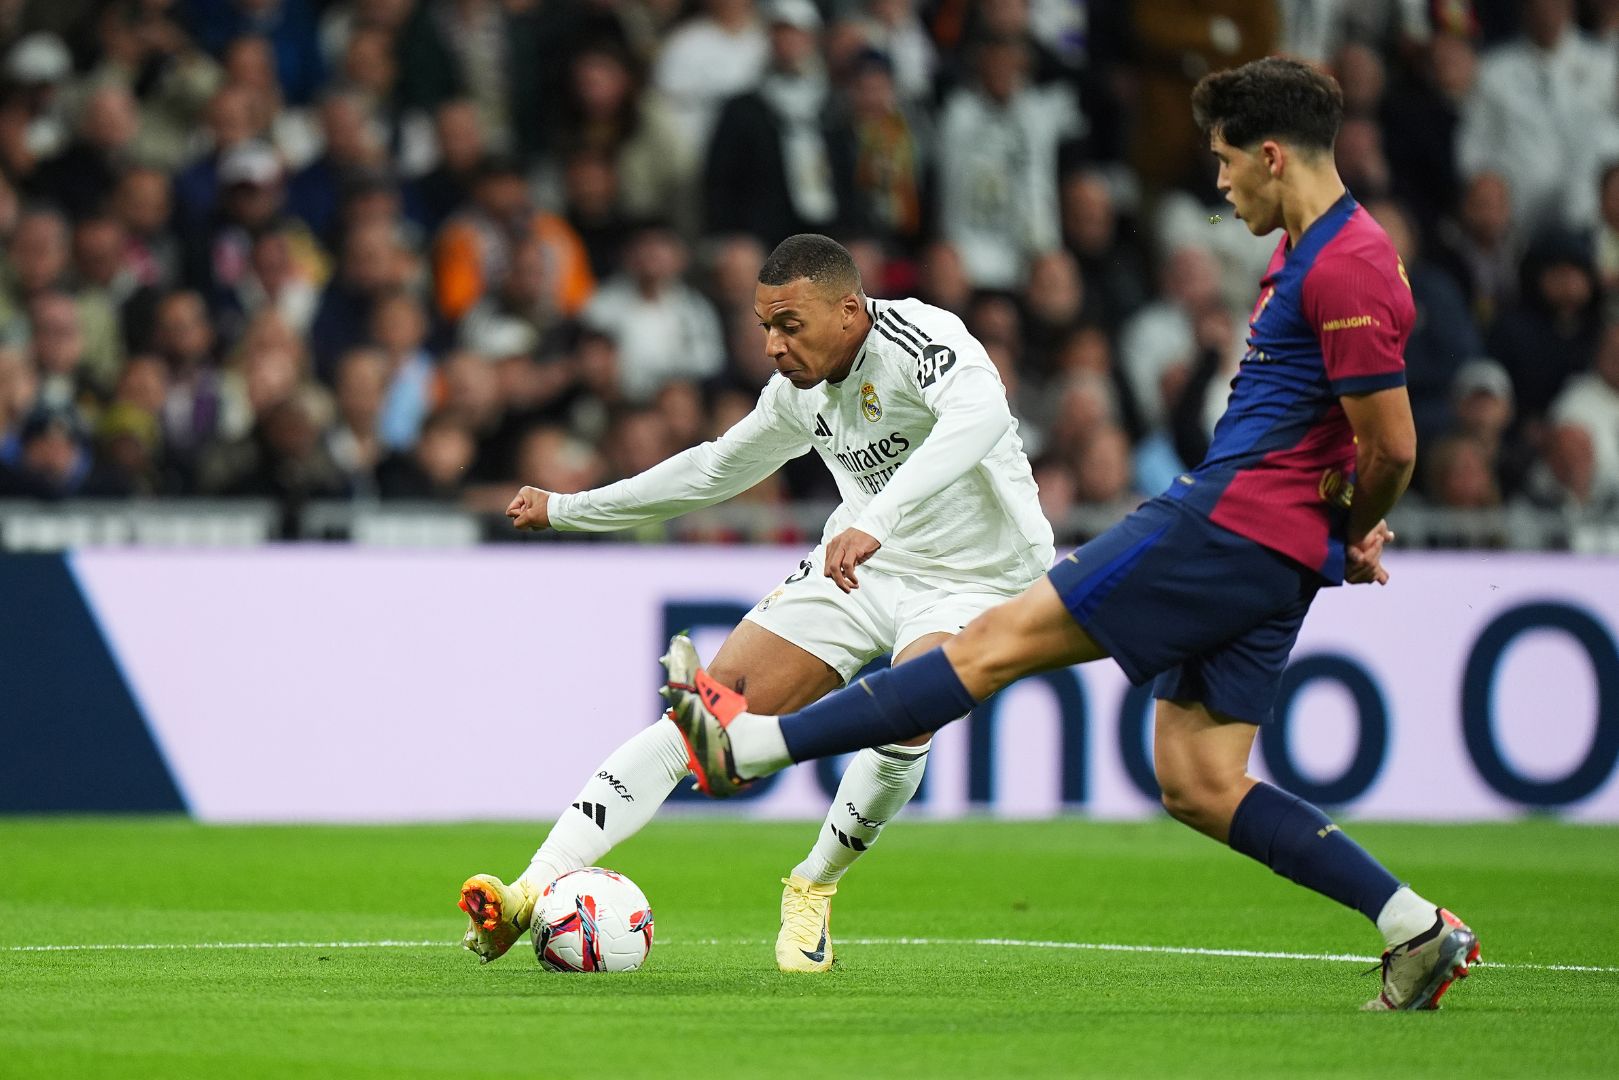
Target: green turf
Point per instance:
(1537, 892)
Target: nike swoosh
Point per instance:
(820, 950)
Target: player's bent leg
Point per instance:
(1201, 759)
(1202, 765)
(874, 788)
(1030, 633)
(704, 704)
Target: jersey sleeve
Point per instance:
(958, 383)
(756, 446)
(1362, 315)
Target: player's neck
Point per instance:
(1312, 191)
(857, 333)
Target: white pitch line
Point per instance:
(1012, 943)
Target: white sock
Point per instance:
(613, 805)
(876, 786)
(1405, 916)
(757, 745)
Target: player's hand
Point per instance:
(847, 550)
(1363, 561)
(531, 509)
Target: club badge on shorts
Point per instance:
(869, 403)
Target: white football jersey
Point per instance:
(919, 438)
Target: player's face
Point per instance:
(1248, 181)
(808, 333)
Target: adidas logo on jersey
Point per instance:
(594, 811)
(822, 428)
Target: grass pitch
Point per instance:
(710, 1003)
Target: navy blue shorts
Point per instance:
(1209, 614)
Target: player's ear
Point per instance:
(1275, 157)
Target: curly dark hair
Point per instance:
(1273, 98)
(823, 260)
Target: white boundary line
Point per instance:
(1010, 943)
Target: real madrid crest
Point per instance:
(869, 403)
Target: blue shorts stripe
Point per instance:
(1083, 599)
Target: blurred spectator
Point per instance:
(1102, 471)
(52, 459)
(1444, 335)
(1420, 118)
(370, 265)
(435, 468)
(291, 462)
(354, 441)
(550, 458)
(58, 354)
(943, 281)
(399, 331)
(1053, 302)
(461, 149)
(889, 154)
(1590, 405)
(352, 149)
(495, 49)
(125, 462)
(609, 112)
(230, 123)
(1179, 42)
(33, 121)
(1159, 343)
(1361, 163)
(19, 392)
(142, 204)
(527, 295)
(196, 410)
(591, 189)
(1362, 77)
(1481, 249)
(637, 440)
(278, 280)
(81, 177)
(1112, 266)
(251, 194)
(1553, 332)
(771, 171)
(474, 249)
(679, 404)
(663, 327)
(733, 264)
(895, 30)
(709, 58)
(1546, 115)
(289, 25)
(1459, 476)
(998, 182)
(1484, 408)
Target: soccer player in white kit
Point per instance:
(939, 521)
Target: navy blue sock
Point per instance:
(917, 697)
(1297, 841)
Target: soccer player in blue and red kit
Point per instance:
(1203, 589)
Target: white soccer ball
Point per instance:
(592, 920)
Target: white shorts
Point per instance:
(884, 615)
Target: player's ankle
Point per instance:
(1404, 916)
(757, 746)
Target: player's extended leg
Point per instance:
(876, 786)
(1030, 633)
(1202, 765)
(630, 786)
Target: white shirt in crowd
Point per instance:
(675, 334)
(1547, 120)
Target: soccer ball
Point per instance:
(592, 920)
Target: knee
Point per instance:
(989, 650)
(1189, 797)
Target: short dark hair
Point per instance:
(821, 259)
(1273, 98)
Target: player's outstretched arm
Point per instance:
(754, 448)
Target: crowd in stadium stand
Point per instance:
(431, 249)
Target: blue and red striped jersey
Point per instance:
(1332, 319)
